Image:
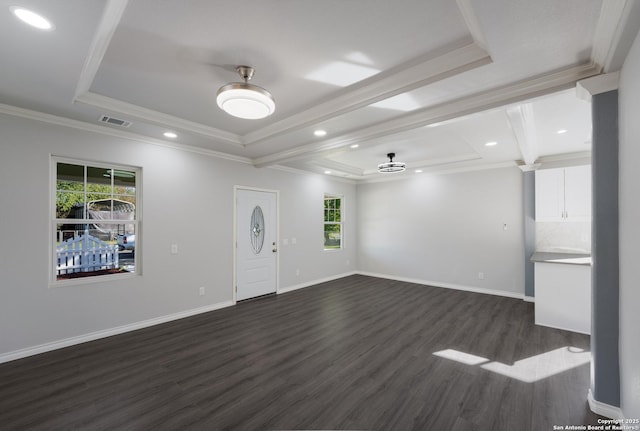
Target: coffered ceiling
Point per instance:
(432, 81)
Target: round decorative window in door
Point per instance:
(257, 229)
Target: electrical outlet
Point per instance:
(481, 276)
(201, 290)
(174, 248)
(297, 272)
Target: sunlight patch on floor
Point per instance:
(527, 370)
(458, 356)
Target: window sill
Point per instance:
(92, 279)
(333, 250)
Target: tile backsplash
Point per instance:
(568, 237)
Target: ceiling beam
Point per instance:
(102, 38)
(616, 30)
(332, 165)
(472, 22)
(450, 60)
(523, 126)
(501, 96)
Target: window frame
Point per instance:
(333, 196)
(54, 221)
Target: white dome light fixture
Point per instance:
(391, 167)
(244, 100)
(32, 18)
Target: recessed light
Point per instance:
(320, 133)
(354, 146)
(418, 171)
(561, 131)
(491, 144)
(32, 18)
(171, 135)
(327, 172)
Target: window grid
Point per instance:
(333, 222)
(95, 219)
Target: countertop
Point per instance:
(566, 258)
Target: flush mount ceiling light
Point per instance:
(32, 18)
(391, 166)
(244, 100)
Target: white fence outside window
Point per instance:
(85, 253)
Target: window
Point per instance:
(332, 222)
(95, 220)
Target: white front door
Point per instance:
(256, 243)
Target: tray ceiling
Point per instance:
(431, 81)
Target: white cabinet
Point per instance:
(577, 192)
(563, 194)
(563, 296)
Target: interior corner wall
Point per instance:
(605, 273)
(446, 230)
(187, 199)
(629, 207)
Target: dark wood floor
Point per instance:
(356, 353)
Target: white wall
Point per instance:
(629, 94)
(445, 229)
(187, 199)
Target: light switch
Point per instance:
(285, 241)
(174, 248)
(293, 240)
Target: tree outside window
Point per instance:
(332, 222)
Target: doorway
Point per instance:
(256, 240)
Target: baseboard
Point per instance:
(602, 409)
(72, 341)
(562, 328)
(314, 282)
(59, 344)
(529, 299)
(445, 285)
(47, 347)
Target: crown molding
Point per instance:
(511, 93)
(445, 62)
(527, 167)
(564, 160)
(452, 169)
(589, 87)
(158, 118)
(102, 38)
(108, 131)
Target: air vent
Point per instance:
(114, 121)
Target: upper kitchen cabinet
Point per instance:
(563, 194)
